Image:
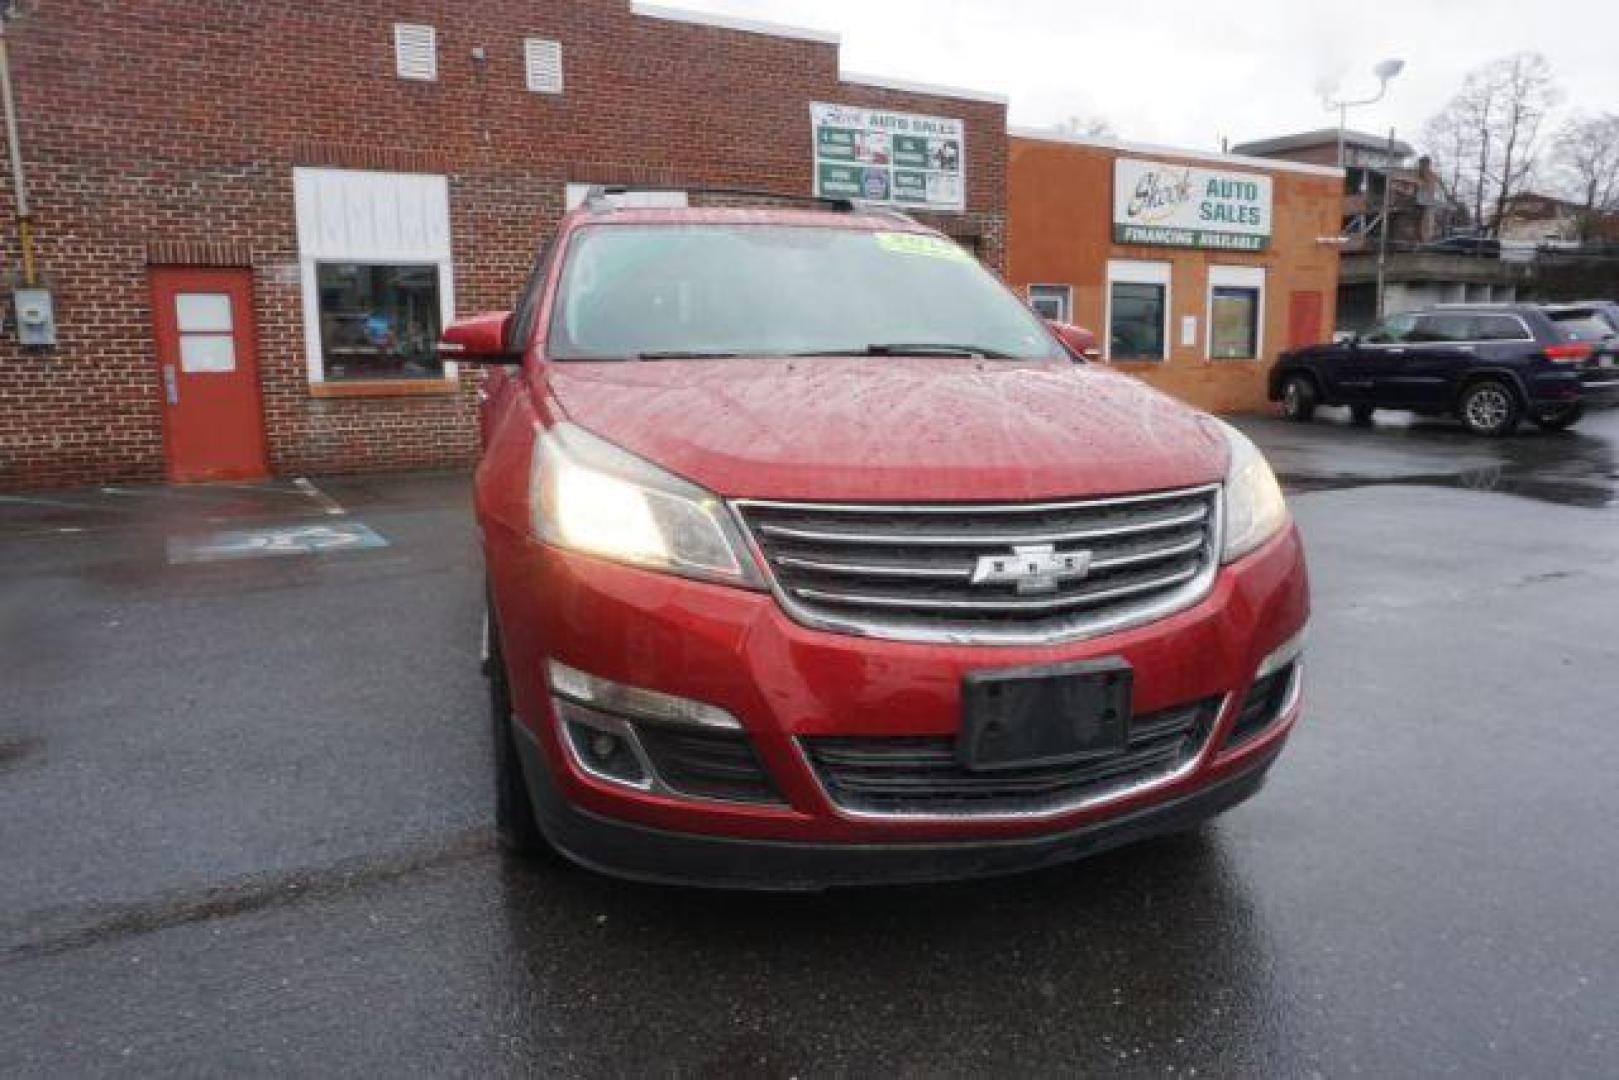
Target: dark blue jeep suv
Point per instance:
(1489, 365)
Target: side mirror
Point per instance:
(1076, 339)
(480, 339)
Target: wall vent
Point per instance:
(416, 51)
(542, 60)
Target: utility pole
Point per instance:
(25, 220)
(1383, 228)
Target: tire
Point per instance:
(1299, 398)
(514, 811)
(1361, 414)
(1490, 408)
(1559, 419)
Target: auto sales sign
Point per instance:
(1181, 206)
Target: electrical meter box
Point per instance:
(36, 316)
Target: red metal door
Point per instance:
(208, 373)
(1304, 319)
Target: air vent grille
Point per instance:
(542, 60)
(416, 51)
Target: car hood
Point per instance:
(891, 428)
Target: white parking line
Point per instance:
(332, 507)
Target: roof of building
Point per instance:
(1270, 164)
(1302, 140)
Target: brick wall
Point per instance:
(1060, 204)
(160, 131)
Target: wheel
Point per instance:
(1490, 408)
(1361, 414)
(514, 812)
(1299, 398)
(1559, 419)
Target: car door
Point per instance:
(1368, 360)
(1420, 375)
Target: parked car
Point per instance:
(1489, 365)
(813, 559)
(1485, 247)
(1077, 339)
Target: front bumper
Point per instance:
(787, 683)
(639, 853)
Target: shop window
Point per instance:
(1052, 302)
(378, 281)
(1236, 312)
(379, 322)
(1137, 310)
(1234, 323)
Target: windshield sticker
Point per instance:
(933, 247)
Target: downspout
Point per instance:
(25, 220)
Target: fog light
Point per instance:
(602, 746)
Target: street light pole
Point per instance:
(1384, 71)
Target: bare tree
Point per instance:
(1091, 127)
(1486, 141)
(1586, 154)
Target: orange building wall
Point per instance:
(1060, 232)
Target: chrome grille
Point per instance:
(1013, 573)
(908, 775)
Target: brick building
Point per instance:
(295, 195)
(1194, 269)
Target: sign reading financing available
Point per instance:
(1181, 206)
(900, 159)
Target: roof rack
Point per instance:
(596, 197)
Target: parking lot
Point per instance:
(245, 819)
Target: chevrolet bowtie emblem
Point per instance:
(1033, 568)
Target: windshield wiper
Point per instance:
(685, 354)
(914, 348)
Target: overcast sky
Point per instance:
(1186, 74)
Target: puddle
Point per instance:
(1578, 468)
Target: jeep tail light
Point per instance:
(1569, 352)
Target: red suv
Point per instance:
(814, 558)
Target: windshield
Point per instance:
(682, 291)
(1581, 324)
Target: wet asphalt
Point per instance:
(245, 819)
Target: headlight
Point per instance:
(588, 495)
(1255, 510)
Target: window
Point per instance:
(415, 51)
(1137, 311)
(542, 65)
(1498, 328)
(379, 322)
(1236, 312)
(378, 282)
(1435, 328)
(1392, 331)
(1581, 325)
(206, 340)
(692, 291)
(1052, 301)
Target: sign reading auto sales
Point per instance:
(1181, 206)
(891, 158)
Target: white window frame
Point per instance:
(428, 36)
(325, 208)
(1235, 277)
(1135, 272)
(539, 56)
(1065, 299)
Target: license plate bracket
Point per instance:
(1018, 718)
